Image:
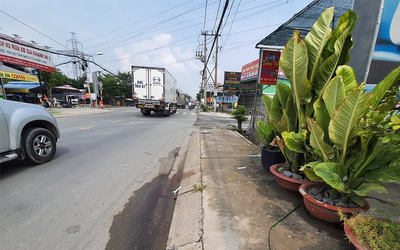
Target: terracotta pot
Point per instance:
(286, 182)
(271, 156)
(325, 211)
(353, 237)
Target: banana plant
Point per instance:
(309, 64)
(357, 149)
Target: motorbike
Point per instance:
(68, 105)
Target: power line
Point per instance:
(33, 29)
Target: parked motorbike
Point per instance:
(68, 105)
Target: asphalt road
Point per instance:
(102, 162)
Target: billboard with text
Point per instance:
(18, 52)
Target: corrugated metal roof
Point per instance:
(304, 20)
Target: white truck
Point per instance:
(154, 89)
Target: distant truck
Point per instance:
(154, 89)
(181, 103)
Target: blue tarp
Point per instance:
(22, 86)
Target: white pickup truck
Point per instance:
(27, 131)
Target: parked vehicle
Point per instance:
(73, 99)
(154, 89)
(181, 103)
(27, 132)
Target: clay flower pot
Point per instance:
(325, 211)
(354, 237)
(285, 182)
(271, 156)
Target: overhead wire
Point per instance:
(34, 29)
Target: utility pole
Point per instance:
(201, 54)
(215, 79)
(84, 68)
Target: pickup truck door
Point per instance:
(4, 139)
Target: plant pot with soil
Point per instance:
(316, 197)
(286, 179)
(370, 232)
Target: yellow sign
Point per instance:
(16, 76)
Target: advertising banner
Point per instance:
(22, 53)
(250, 71)
(269, 67)
(231, 81)
(16, 76)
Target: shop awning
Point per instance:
(22, 87)
(11, 73)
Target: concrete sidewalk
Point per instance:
(241, 205)
(79, 111)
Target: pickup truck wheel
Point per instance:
(39, 145)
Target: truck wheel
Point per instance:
(39, 145)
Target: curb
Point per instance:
(186, 229)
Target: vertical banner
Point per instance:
(269, 67)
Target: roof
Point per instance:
(303, 21)
(23, 87)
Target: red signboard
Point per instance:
(250, 71)
(22, 53)
(269, 67)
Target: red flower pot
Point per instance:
(325, 211)
(354, 237)
(285, 182)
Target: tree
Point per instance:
(240, 114)
(119, 85)
(53, 79)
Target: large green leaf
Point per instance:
(329, 65)
(347, 20)
(294, 61)
(316, 40)
(267, 101)
(283, 92)
(295, 141)
(264, 133)
(332, 173)
(346, 119)
(322, 117)
(291, 114)
(334, 94)
(317, 141)
(348, 77)
(380, 90)
(366, 188)
(386, 173)
(308, 169)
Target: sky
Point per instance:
(157, 33)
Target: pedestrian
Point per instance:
(46, 101)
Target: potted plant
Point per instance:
(309, 65)
(370, 232)
(270, 153)
(357, 143)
